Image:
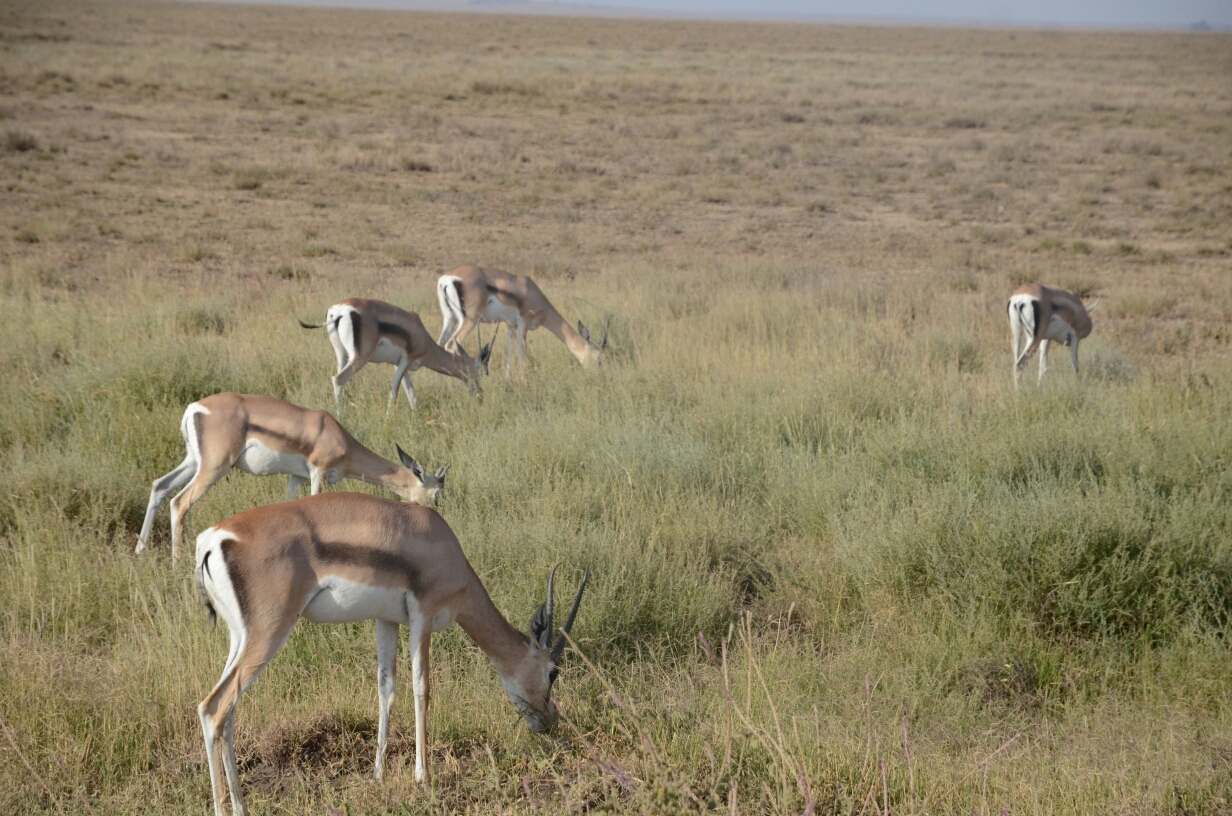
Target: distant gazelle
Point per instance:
(343, 558)
(363, 331)
(1039, 314)
(266, 436)
(471, 295)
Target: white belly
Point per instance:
(497, 312)
(1058, 329)
(343, 601)
(387, 352)
(260, 460)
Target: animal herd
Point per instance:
(349, 557)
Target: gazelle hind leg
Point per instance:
(340, 350)
(159, 491)
(386, 685)
(464, 331)
(217, 710)
(344, 376)
(1043, 366)
(186, 498)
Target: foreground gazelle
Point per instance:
(347, 557)
(266, 436)
(471, 295)
(1039, 314)
(363, 331)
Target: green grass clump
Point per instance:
(827, 502)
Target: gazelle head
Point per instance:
(593, 351)
(485, 354)
(529, 685)
(416, 485)
(477, 365)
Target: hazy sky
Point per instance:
(1098, 13)
(1075, 12)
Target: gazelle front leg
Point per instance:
(1072, 342)
(421, 637)
(410, 391)
(294, 485)
(521, 332)
(386, 685)
(399, 374)
(186, 498)
(510, 348)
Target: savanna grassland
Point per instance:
(937, 595)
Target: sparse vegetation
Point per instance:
(804, 442)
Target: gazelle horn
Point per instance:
(568, 627)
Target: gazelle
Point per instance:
(266, 436)
(471, 295)
(1042, 313)
(363, 331)
(343, 558)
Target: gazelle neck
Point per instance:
(453, 364)
(484, 624)
(551, 320)
(367, 466)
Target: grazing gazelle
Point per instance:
(363, 331)
(266, 436)
(471, 295)
(1040, 313)
(344, 558)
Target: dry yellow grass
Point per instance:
(805, 437)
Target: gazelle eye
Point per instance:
(552, 675)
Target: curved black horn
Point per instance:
(550, 608)
(568, 627)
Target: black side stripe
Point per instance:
(238, 584)
(392, 330)
(380, 560)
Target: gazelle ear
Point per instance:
(442, 471)
(541, 626)
(585, 332)
(409, 461)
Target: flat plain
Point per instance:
(917, 590)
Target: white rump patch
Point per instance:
(217, 580)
